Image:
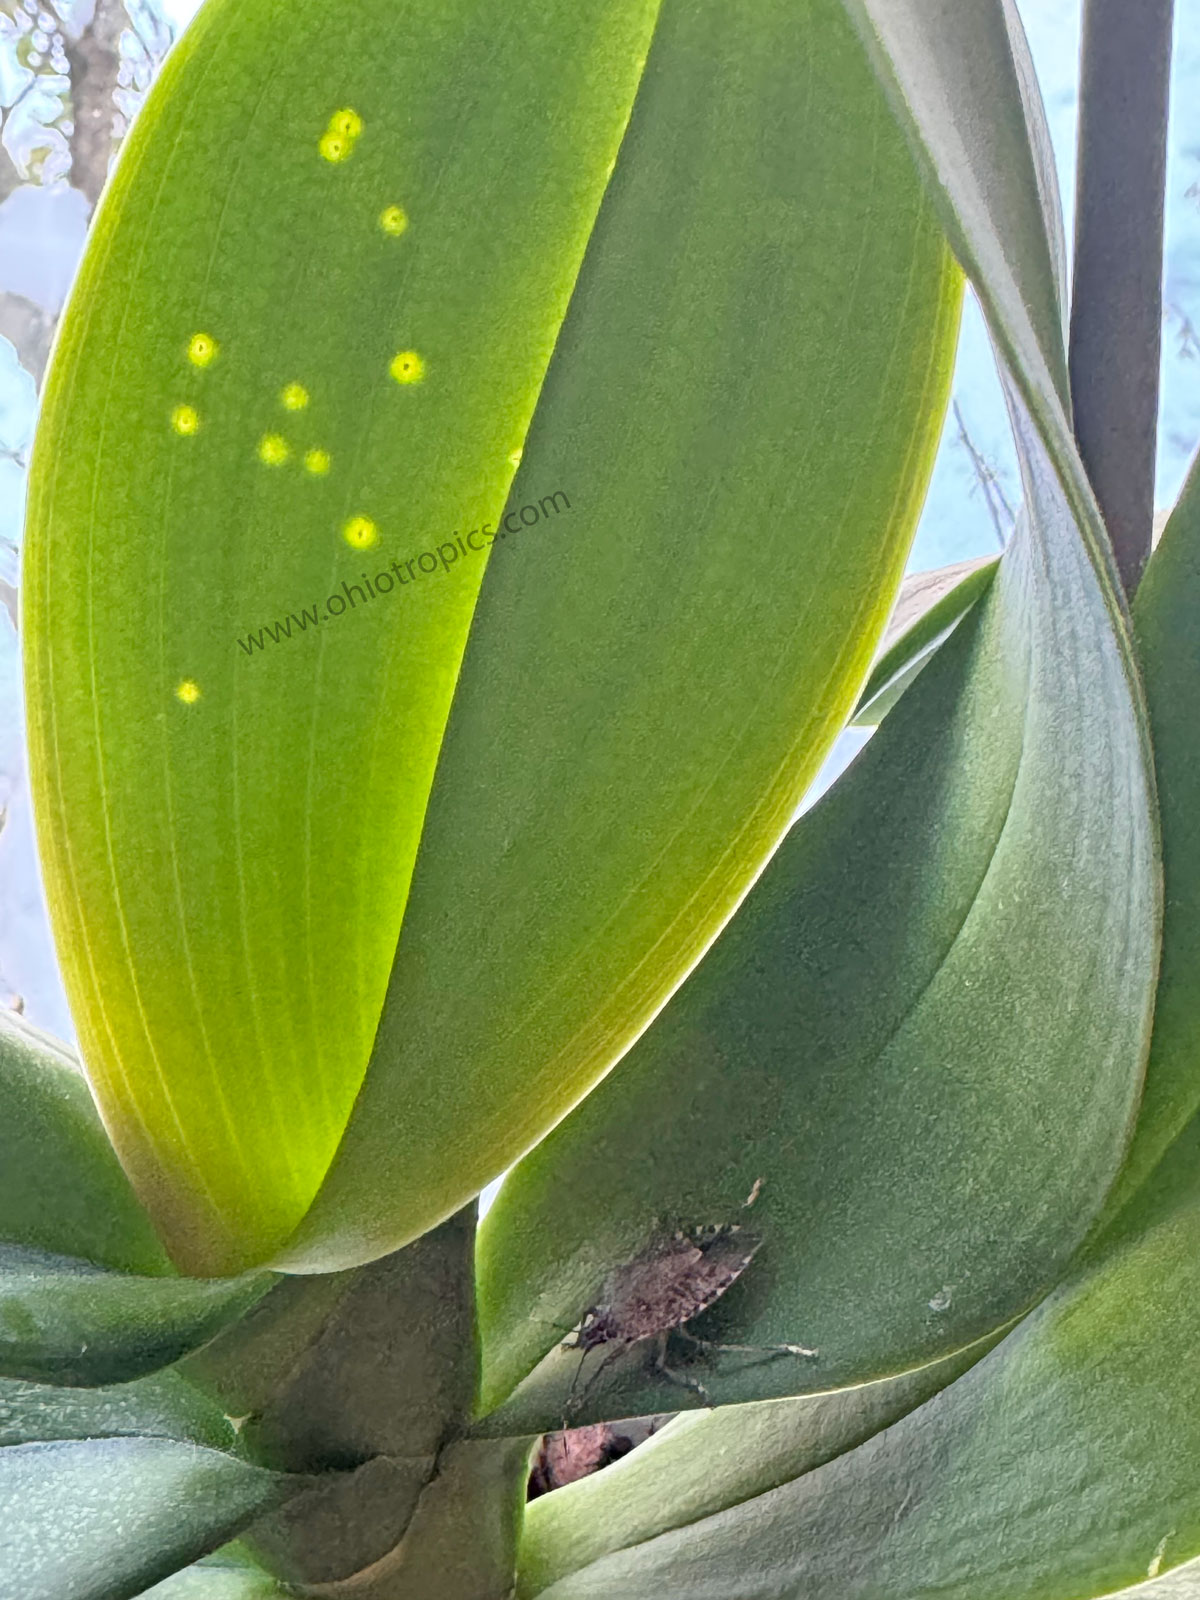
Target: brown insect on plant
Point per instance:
(664, 1288)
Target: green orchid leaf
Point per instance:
(103, 1519)
(61, 1187)
(987, 875)
(307, 337)
(213, 1581)
(162, 1405)
(1165, 616)
(67, 1322)
(742, 409)
(929, 608)
(962, 81)
(704, 1461)
(1063, 1465)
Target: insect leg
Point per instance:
(573, 1401)
(747, 1349)
(658, 1363)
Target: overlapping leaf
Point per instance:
(1062, 1465)
(61, 1187)
(702, 1462)
(305, 343)
(103, 1519)
(1165, 613)
(925, 1030)
(930, 607)
(162, 1406)
(66, 1321)
(742, 408)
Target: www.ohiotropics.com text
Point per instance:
(399, 574)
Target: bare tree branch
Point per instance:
(95, 60)
(29, 330)
(989, 481)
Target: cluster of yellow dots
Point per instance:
(274, 450)
(338, 141)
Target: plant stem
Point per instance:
(1116, 313)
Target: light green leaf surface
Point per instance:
(209, 1581)
(65, 1321)
(1063, 1465)
(103, 1519)
(929, 608)
(61, 1186)
(304, 221)
(160, 1406)
(1167, 619)
(705, 1461)
(742, 409)
(924, 1033)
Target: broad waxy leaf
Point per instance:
(68, 1322)
(217, 1581)
(103, 1519)
(702, 1462)
(163, 1406)
(925, 1030)
(1063, 1465)
(742, 407)
(305, 343)
(61, 1187)
(1165, 616)
(984, 877)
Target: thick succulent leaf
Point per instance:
(307, 337)
(61, 1186)
(929, 608)
(923, 1033)
(461, 1542)
(702, 1462)
(1167, 619)
(103, 1519)
(962, 81)
(64, 1321)
(742, 410)
(214, 1580)
(162, 1406)
(963, 84)
(1063, 1465)
(217, 1581)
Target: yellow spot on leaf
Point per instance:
(338, 140)
(185, 420)
(360, 533)
(317, 462)
(346, 122)
(515, 457)
(407, 367)
(188, 691)
(393, 220)
(273, 450)
(294, 397)
(202, 349)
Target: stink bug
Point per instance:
(661, 1290)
